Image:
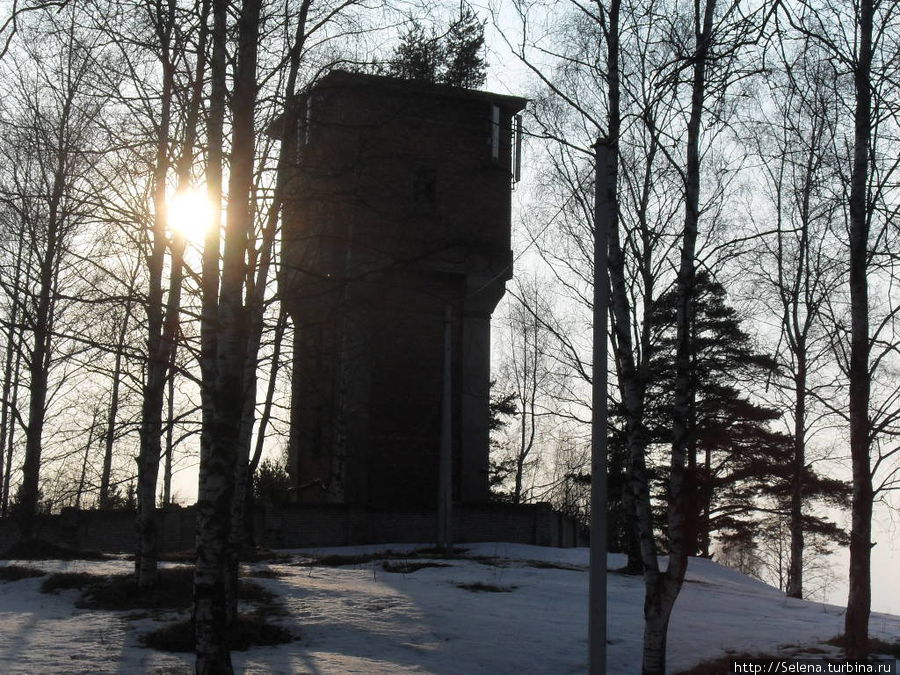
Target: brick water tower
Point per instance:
(397, 206)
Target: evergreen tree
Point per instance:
(271, 483)
(722, 423)
(621, 523)
(454, 59)
(464, 65)
(418, 56)
(618, 521)
(739, 465)
(502, 408)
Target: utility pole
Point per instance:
(445, 477)
(597, 592)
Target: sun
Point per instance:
(190, 213)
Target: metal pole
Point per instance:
(597, 593)
(445, 478)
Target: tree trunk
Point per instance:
(168, 345)
(10, 438)
(84, 463)
(146, 520)
(661, 591)
(634, 563)
(520, 453)
(37, 400)
(621, 313)
(240, 544)
(246, 516)
(212, 576)
(265, 418)
(704, 488)
(856, 623)
(658, 606)
(241, 523)
(10, 382)
(110, 435)
(795, 571)
(38, 361)
(170, 430)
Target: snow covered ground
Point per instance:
(361, 619)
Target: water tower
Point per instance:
(398, 205)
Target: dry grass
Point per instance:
(120, 592)
(435, 552)
(430, 553)
(877, 646)
(342, 560)
(722, 665)
(63, 581)
(38, 549)
(250, 630)
(409, 566)
(173, 590)
(479, 587)
(17, 572)
(542, 565)
(261, 554)
(264, 573)
(187, 556)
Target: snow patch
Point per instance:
(362, 619)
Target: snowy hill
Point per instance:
(504, 608)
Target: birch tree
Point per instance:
(796, 267)
(49, 154)
(224, 319)
(529, 374)
(669, 66)
(860, 39)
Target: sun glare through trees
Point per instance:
(189, 213)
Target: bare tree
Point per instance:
(667, 68)
(796, 267)
(529, 372)
(49, 148)
(109, 437)
(13, 335)
(225, 400)
(857, 37)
